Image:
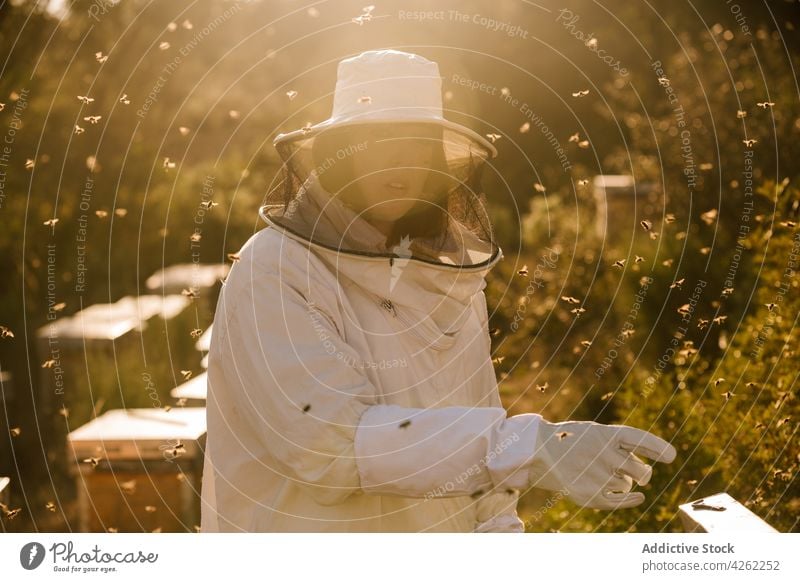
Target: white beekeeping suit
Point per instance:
(351, 386)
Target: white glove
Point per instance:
(594, 464)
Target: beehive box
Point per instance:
(202, 279)
(621, 203)
(145, 470)
(112, 355)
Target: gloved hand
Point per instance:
(595, 464)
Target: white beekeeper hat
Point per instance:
(385, 87)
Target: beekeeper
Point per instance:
(350, 382)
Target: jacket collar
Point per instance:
(433, 299)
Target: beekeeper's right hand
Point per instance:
(596, 464)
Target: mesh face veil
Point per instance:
(420, 180)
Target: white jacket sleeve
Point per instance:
(318, 415)
(496, 512)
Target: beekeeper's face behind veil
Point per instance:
(388, 173)
(393, 175)
(386, 169)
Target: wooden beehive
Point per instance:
(621, 204)
(138, 481)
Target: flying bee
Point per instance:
(93, 461)
(570, 300)
(564, 434)
(10, 513)
(543, 387)
(191, 293)
(523, 271)
(493, 137)
(581, 93)
(620, 263)
(196, 333)
(186, 374)
(646, 224)
(709, 216)
(749, 142)
(174, 452)
(404, 424)
(765, 104)
(128, 487)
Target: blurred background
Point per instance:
(646, 196)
